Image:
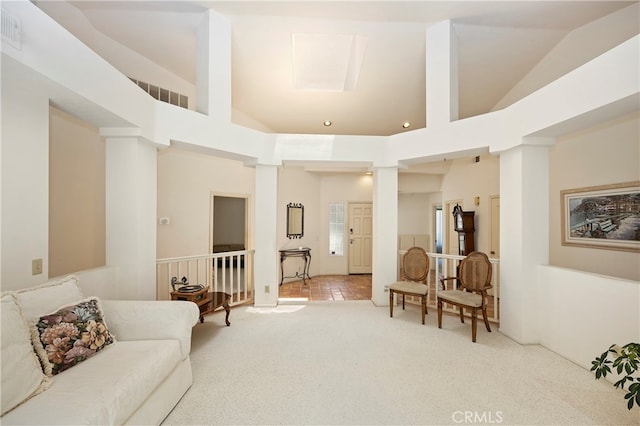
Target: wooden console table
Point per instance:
(207, 301)
(305, 253)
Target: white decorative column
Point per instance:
(131, 204)
(385, 233)
(441, 74)
(213, 66)
(524, 241)
(266, 255)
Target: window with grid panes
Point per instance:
(336, 229)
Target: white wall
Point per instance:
(606, 154)
(25, 184)
(578, 47)
(76, 195)
(300, 187)
(414, 214)
(346, 188)
(582, 314)
(417, 196)
(186, 182)
(467, 180)
(420, 183)
(240, 118)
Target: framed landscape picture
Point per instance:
(606, 217)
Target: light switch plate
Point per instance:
(36, 266)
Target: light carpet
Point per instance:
(348, 363)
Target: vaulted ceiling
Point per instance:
(377, 47)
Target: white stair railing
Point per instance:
(229, 272)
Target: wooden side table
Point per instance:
(207, 301)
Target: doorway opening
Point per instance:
(232, 266)
(228, 223)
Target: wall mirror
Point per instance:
(295, 220)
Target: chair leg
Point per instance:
(461, 315)
(484, 315)
(391, 303)
(474, 324)
(439, 313)
(424, 308)
(403, 302)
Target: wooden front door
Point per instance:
(360, 237)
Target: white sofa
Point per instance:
(137, 379)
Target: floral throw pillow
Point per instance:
(70, 335)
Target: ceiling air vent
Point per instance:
(11, 29)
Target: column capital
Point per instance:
(120, 132)
(132, 133)
(257, 162)
(388, 164)
(541, 141)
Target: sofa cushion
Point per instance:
(48, 297)
(21, 374)
(70, 335)
(106, 389)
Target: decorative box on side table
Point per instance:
(207, 302)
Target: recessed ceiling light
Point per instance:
(327, 123)
(406, 125)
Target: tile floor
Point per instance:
(329, 287)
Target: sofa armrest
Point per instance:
(152, 320)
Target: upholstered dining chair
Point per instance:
(474, 279)
(415, 267)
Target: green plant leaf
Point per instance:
(633, 394)
(633, 348)
(620, 383)
(625, 359)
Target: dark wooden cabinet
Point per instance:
(463, 223)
